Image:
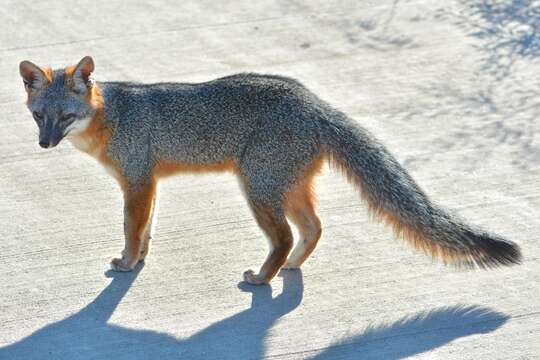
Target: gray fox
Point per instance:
(270, 131)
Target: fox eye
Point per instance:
(67, 117)
(38, 117)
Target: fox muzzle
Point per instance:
(50, 134)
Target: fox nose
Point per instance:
(44, 144)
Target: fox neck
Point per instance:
(94, 140)
(95, 137)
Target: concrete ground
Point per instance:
(451, 87)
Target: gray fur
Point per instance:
(257, 121)
(273, 128)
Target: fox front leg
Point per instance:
(145, 247)
(138, 205)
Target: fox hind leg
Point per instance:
(279, 235)
(300, 209)
(273, 160)
(303, 215)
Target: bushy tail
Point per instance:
(394, 197)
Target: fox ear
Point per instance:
(33, 77)
(81, 74)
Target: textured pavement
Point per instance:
(451, 87)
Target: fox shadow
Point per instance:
(416, 334)
(88, 335)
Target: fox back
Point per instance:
(201, 124)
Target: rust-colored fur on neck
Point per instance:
(98, 134)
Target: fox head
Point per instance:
(61, 101)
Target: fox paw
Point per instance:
(254, 279)
(121, 265)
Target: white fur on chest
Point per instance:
(85, 145)
(81, 144)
